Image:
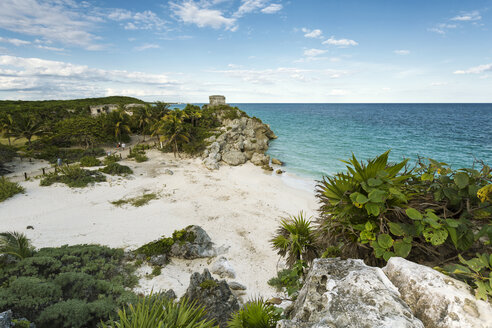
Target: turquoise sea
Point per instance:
(313, 138)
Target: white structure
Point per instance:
(216, 100)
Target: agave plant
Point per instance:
(255, 314)
(15, 244)
(155, 311)
(295, 240)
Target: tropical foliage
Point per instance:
(8, 189)
(73, 176)
(256, 314)
(15, 245)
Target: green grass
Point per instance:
(73, 176)
(8, 189)
(116, 169)
(136, 201)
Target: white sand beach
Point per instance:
(239, 207)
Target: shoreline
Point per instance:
(239, 207)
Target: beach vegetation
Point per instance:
(88, 161)
(136, 201)
(171, 130)
(9, 189)
(15, 245)
(73, 176)
(289, 280)
(158, 311)
(163, 245)
(111, 159)
(256, 313)
(116, 169)
(208, 284)
(69, 286)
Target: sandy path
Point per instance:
(239, 207)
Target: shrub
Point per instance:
(8, 189)
(67, 314)
(116, 169)
(139, 158)
(89, 161)
(73, 176)
(256, 314)
(16, 245)
(111, 159)
(290, 279)
(157, 247)
(158, 311)
(52, 153)
(136, 201)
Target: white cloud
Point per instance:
(476, 70)
(441, 28)
(120, 14)
(15, 42)
(249, 6)
(146, 46)
(314, 52)
(340, 42)
(49, 48)
(471, 16)
(313, 34)
(402, 52)
(272, 9)
(54, 20)
(191, 13)
(338, 92)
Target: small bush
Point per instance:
(158, 311)
(116, 169)
(136, 201)
(73, 176)
(256, 314)
(52, 153)
(290, 279)
(111, 159)
(208, 284)
(156, 271)
(139, 158)
(157, 247)
(89, 161)
(8, 189)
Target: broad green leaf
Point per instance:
(378, 250)
(413, 214)
(453, 236)
(372, 209)
(427, 177)
(438, 195)
(369, 226)
(388, 255)
(435, 236)
(461, 179)
(374, 182)
(382, 174)
(456, 269)
(472, 190)
(452, 223)
(432, 222)
(408, 240)
(396, 229)
(377, 196)
(385, 240)
(402, 248)
(482, 290)
(452, 195)
(361, 199)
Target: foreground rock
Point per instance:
(214, 295)
(223, 268)
(348, 293)
(438, 300)
(6, 319)
(243, 138)
(198, 246)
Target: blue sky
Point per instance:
(248, 50)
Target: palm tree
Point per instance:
(120, 122)
(27, 126)
(15, 244)
(7, 126)
(295, 240)
(171, 129)
(143, 118)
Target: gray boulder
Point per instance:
(214, 295)
(6, 319)
(159, 260)
(200, 246)
(223, 268)
(347, 293)
(277, 162)
(211, 163)
(436, 299)
(260, 159)
(234, 157)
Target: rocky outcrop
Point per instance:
(260, 159)
(241, 139)
(223, 268)
(200, 245)
(438, 300)
(6, 319)
(214, 295)
(347, 293)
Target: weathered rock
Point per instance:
(159, 260)
(211, 164)
(277, 162)
(223, 268)
(6, 319)
(279, 171)
(436, 299)
(347, 293)
(234, 285)
(267, 168)
(201, 246)
(234, 157)
(260, 159)
(168, 172)
(214, 295)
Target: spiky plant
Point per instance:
(295, 240)
(255, 314)
(15, 244)
(155, 311)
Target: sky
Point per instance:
(251, 51)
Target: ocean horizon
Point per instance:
(313, 138)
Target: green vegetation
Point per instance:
(67, 155)
(8, 189)
(157, 311)
(138, 153)
(163, 245)
(256, 314)
(111, 159)
(14, 246)
(116, 169)
(209, 283)
(69, 286)
(89, 161)
(7, 153)
(73, 176)
(289, 279)
(136, 201)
